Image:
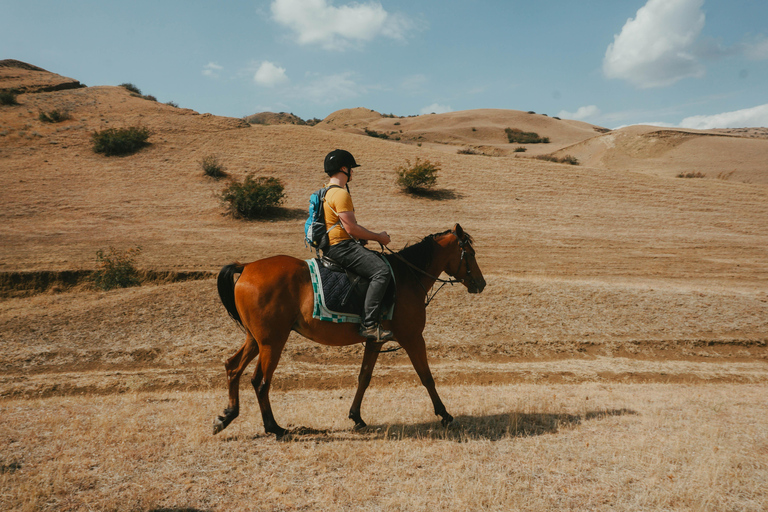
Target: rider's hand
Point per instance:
(384, 238)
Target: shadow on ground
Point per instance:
(464, 428)
(436, 194)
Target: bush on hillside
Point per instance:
(253, 198)
(117, 269)
(691, 175)
(8, 98)
(120, 141)
(515, 135)
(567, 159)
(212, 167)
(54, 116)
(131, 88)
(417, 177)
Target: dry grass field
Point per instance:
(617, 359)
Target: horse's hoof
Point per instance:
(447, 419)
(218, 426)
(360, 425)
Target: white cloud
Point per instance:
(269, 75)
(212, 69)
(757, 49)
(436, 109)
(581, 113)
(656, 48)
(745, 118)
(336, 28)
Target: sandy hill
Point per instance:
(269, 118)
(482, 130)
(585, 261)
(725, 154)
(22, 77)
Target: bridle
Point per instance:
(464, 258)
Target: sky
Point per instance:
(687, 63)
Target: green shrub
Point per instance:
(120, 141)
(253, 198)
(567, 159)
(54, 116)
(518, 136)
(417, 177)
(520, 149)
(8, 98)
(374, 133)
(212, 167)
(117, 269)
(131, 88)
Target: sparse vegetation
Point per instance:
(725, 175)
(567, 159)
(254, 197)
(54, 116)
(515, 135)
(137, 92)
(117, 269)
(172, 104)
(8, 98)
(418, 177)
(520, 149)
(691, 175)
(213, 167)
(374, 133)
(132, 88)
(120, 141)
(468, 151)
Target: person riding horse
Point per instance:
(345, 234)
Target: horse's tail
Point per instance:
(226, 286)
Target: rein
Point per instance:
(452, 281)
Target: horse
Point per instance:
(274, 296)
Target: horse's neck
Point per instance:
(436, 267)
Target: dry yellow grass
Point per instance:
(616, 360)
(514, 447)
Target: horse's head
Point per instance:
(462, 264)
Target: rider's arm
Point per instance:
(354, 229)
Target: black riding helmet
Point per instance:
(337, 159)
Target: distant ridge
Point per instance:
(23, 78)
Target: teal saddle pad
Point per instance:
(331, 288)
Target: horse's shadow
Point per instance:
(464, 428)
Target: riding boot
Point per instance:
(375, 332)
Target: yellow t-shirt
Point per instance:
(337, 200)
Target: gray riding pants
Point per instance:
(369, 265)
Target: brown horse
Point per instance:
(274, 296)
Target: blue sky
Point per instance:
(691, 63)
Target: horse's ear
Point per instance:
(459, 232)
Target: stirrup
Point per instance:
(375, 333)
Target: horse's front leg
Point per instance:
(417, 352)
(363, 380)
(235, 367)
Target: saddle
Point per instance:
(340, 293)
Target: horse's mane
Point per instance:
(420, 254)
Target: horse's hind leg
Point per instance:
(235, 367)
(417, 352)
(262, 380)
(364, 379)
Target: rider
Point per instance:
(344, 246)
